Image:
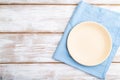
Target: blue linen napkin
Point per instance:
(87, 12)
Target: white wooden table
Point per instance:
(29, 33)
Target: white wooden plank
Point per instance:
(117, 56)
(31, 47)
(58, 1)
(28, 47)
(51, 72)
(19, 18)
(36, 18)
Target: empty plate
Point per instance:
(89, 43)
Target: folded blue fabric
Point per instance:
(87, 12)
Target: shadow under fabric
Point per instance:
(87, 12)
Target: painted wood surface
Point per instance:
(29, 33)
(58, 1)
(35, 18)
(31, 47)
(51, 72)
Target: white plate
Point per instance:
(89, 43)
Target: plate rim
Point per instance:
(105, 29)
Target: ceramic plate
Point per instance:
(89, 43)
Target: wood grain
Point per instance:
(28, 18)
(30, 47)
(29, 33)
(51, 72)
(58, 1)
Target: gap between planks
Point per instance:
(56, 4)
(37, 62)
(31, 32)
(31, 63)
